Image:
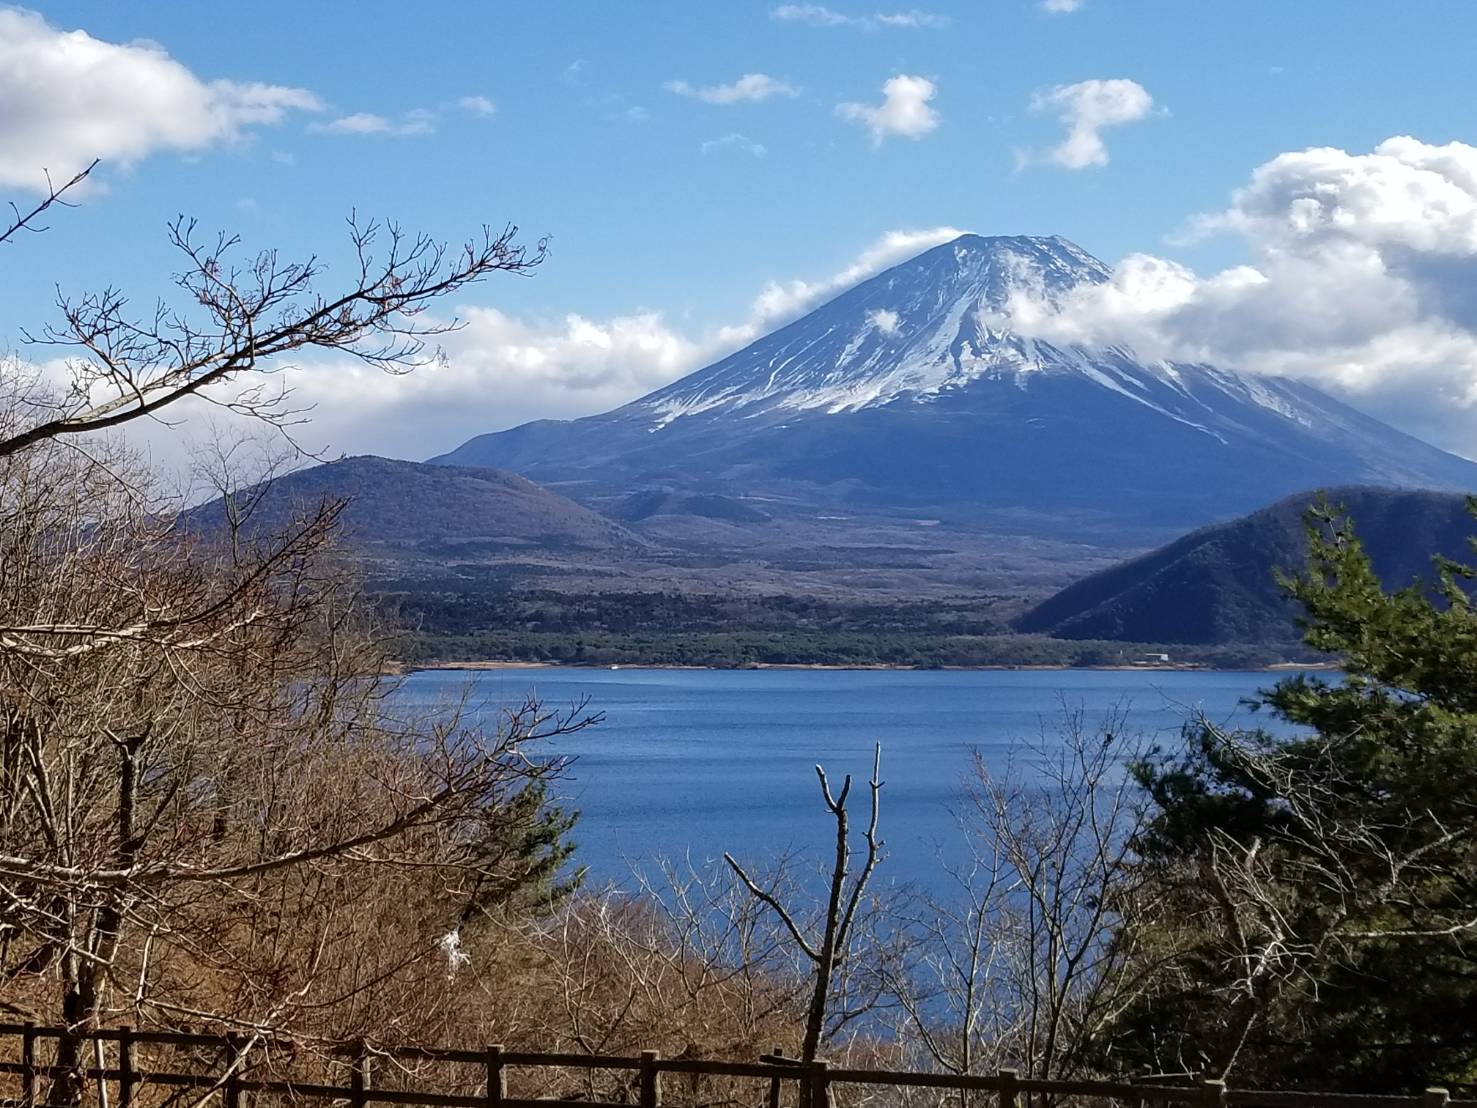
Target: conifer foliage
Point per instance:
(1323, 887)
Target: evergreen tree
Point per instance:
(521, 854)
(1323, 887)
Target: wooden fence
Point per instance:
(252, 1067)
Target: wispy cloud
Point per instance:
(818, 15)
(1060, 7)
(418, 121)
(735, 141)
(1088, 108)
(904, 110)
(751, 88)
(884, 319)
(476, 105)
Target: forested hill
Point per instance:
(446, 512)
(1216, 585)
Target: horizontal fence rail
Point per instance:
(241, 1071)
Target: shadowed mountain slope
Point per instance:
(1217, 585)
(437, 511)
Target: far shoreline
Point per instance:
(1154, 667)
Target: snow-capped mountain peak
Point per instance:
(913, 388)
(934, 322)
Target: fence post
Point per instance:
(651, 1080)
(127, 1067)
(359, 1079)
(28, 1064)
(1213, 1093)
(820, 1084)
(234, 1051)
(1008, 1092)
(774, 1082)
(1435, 1097)
(497, 1081)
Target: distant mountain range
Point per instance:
(902, 450)
(1217, 585)
(910, 397)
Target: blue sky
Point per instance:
(677, 208)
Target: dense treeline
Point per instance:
(749, 648)
(499, 606)
(666, 628)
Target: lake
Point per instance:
(695, 762)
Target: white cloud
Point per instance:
(416, 122)
(750, 88)
(499, 371)
(779, 302)
(360, 123)
(904, 110)
(818, 15)
(477, 105)
(1061, 7)
(735, 141)
(1088, 108)
(67, 98)
(1364, 281)
(911, 18)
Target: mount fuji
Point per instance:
(911, 396)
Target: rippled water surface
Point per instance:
(696, 762)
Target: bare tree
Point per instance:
(830, 954)
(227, 749)
(1279, 916)
(1024, 963)
(210, 800)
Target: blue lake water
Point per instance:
(690, 763)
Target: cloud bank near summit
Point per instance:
(1363, 281)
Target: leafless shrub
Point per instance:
(1023, 962)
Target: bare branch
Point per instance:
(245, 319)
(55, 195)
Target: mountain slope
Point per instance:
(1217, 585)
(436, 511)
(910, 395)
